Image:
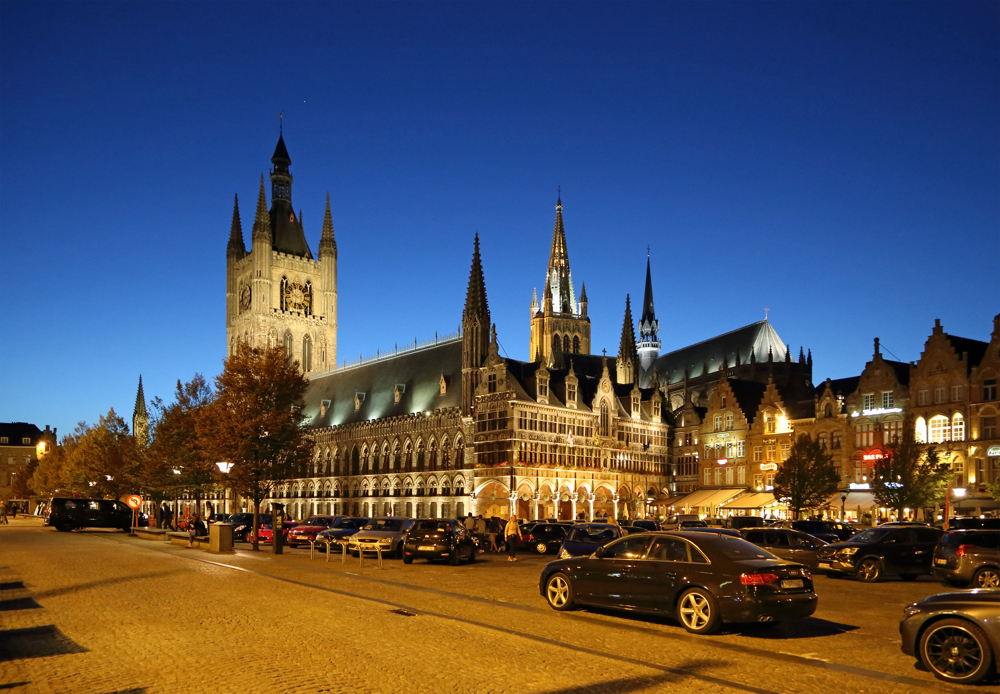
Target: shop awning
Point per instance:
(694, 499)
(754, 501)
(866, 500)
(721, 496)
(670, 501)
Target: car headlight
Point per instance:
(911, 610)
(848, 551)
(563, 554)
(385, 541)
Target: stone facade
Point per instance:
(21, 446)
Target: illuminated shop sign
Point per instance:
(877, 455)
(722, 461)
(877, 411)
(993, 451)
(859, 485)
(768, 466)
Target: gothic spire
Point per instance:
(648, 314)
(262, 219)
(327, 242)
(236, 246)
(583, 292)
(476, 304)
(140, 418)
(627, 349)
(140, 400)
(558, 275)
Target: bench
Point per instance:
(152, 534)
(182, 539)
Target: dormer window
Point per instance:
(491, 385)
(442, 385)
(324, 405)
(636, 411)
(358, 399)
(543, 388)
(571, 393)
(398, 391)
(656, 407)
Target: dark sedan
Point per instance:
(545, 538)
(787, 544)
(307, 531)
(343, 528)
(583, 539)
(955, 635)
(872, 553)
(438, 539)
(702, 579)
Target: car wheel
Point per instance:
(559, 592)
(696, 611)
(407, 560)
(986, 577)
(908, 577)
(472, 555)
(453, 559)
(956, 651)
(541, 548)
(869, 570)
(64, 527)
(399, 551)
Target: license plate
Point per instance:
(824, 565)
(940, 562)
(792, 583)
(425, 548)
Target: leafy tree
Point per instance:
(993, 489)
(106, 459)
(54, 472)
(254, 422)
(908, 476)
(807, 478)
(175, 445)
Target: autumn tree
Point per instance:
(54, 474)
(907, 475)
(106, 459)
(175, 464)
(807, 478)
(254, 422)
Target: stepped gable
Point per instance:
(707, 356)
(418, 371)
(975, 348)
(748, 395)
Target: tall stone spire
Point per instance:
(261, 220)
(475, 331)
(140, 418)
(236, 248)
(327, 242)
(558, 276)
(649, 341)
(628, 357)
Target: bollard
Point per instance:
(361, 555)
(343, 552)
(312, 549)
(378, 550)
(327, 551)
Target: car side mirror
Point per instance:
(599, 552)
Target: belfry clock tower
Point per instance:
(278, 293)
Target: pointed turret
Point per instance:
(628, 357)
(558, 277)
(140, 418)
(327, 241)
(534, 301)
(236, 248)
(261, 220)
(475, 330)
(583, 300)
(649, 341)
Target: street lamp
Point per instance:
(224, 468)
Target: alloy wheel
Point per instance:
(869, 571)
(695, 611)
(953, 652)
(557, 591)
(987, 578)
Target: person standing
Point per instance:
(494, 531)
(481, 533)
(3, 513)
(512, 533)
(470, 523)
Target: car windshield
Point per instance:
(432, 526)
(871, 535)
(735, 548)
(391, 525)
(316, 520)
(595, 535)
(350, 523)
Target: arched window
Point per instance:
(394, 462)
(432, 452)
(556, 344)
(420, 456)
(576, 344)
(828, 410)
(288, 345)
(940, 429)
(407, 456)
(958, 427)
(445, 455)
(307, 354)
(566, 344)
(355, 461)
(605, 419)
(920, 430)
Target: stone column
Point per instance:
(615, 500)
(572, 501)
(534, 507)
(590, 509)
(513, 503)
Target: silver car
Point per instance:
(387, 534)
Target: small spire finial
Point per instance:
(766, 309)
(281, 116)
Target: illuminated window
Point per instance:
(887, 399)
(307, 354)
(940, 429)
(729, 422)
(920, 430)
(772, 451)
(718, 422)
(957, 427)
(770, 423)
(741, 475)
(708, 477)
(835, 440)
(708, 451)
(891, 431)
(758, 454)
(824, 441)
(785, 450)
(869, 401)
(740, 449)
(730, 450)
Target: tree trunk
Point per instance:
(256, 512)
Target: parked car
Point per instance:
(343, 528)
(787, 544)
(66, 514)
(965, 557)
(955, 635)
(675, 522)
(718, 531)
(974, 524)
(442, 538)
(387, 534)
(243, 524)
(583, 539)
(872, 553)
(820, 529)
(695, 523)
(265, 532)
(545, 538)
(702, 579)
(741, 522)
(307, 531)
(646, 525)
(844, 531)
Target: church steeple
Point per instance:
(475, 330)
(140, 418)
(327, 242)
(628, 358)
(649, 341)
(281, 179)
(558, 277)
(262, 220)
(236, 248)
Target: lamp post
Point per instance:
(843, 502)
(224, 468)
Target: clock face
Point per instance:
(296, 298)
(245, 298)
(605, 386)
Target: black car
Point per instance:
(343, 528)
(815, 528)
(243, 524)
(787, 544)
(969, 556)
(703, 579)
(955, 635)
(974, 524)
(872, 553)
(545, 538)
(441, 538)
(66, 514)
(645, 525)
(583, 539)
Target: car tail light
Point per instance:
(531, 538)
(965, 549)
(757, 579)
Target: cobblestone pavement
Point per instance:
(99, 612)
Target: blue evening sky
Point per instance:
(838, 163)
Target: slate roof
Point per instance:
(975, 348)
(841, 386)
(748, 394)
(706, 357)
(902, 370)
(419, 372)
(16, 431)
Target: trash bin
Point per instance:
(220, 537)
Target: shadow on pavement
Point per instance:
(141, 690)
(810, 627)
(19, 604)
(14, 685)
(635, 684)
(55, 592)
(36, 642)
(12, 585)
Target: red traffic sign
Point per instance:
(134, 501)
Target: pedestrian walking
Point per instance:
(3, 513)
(512, 533)
(13, 510)
(481, 533)
(494, 531)
(470, 523)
